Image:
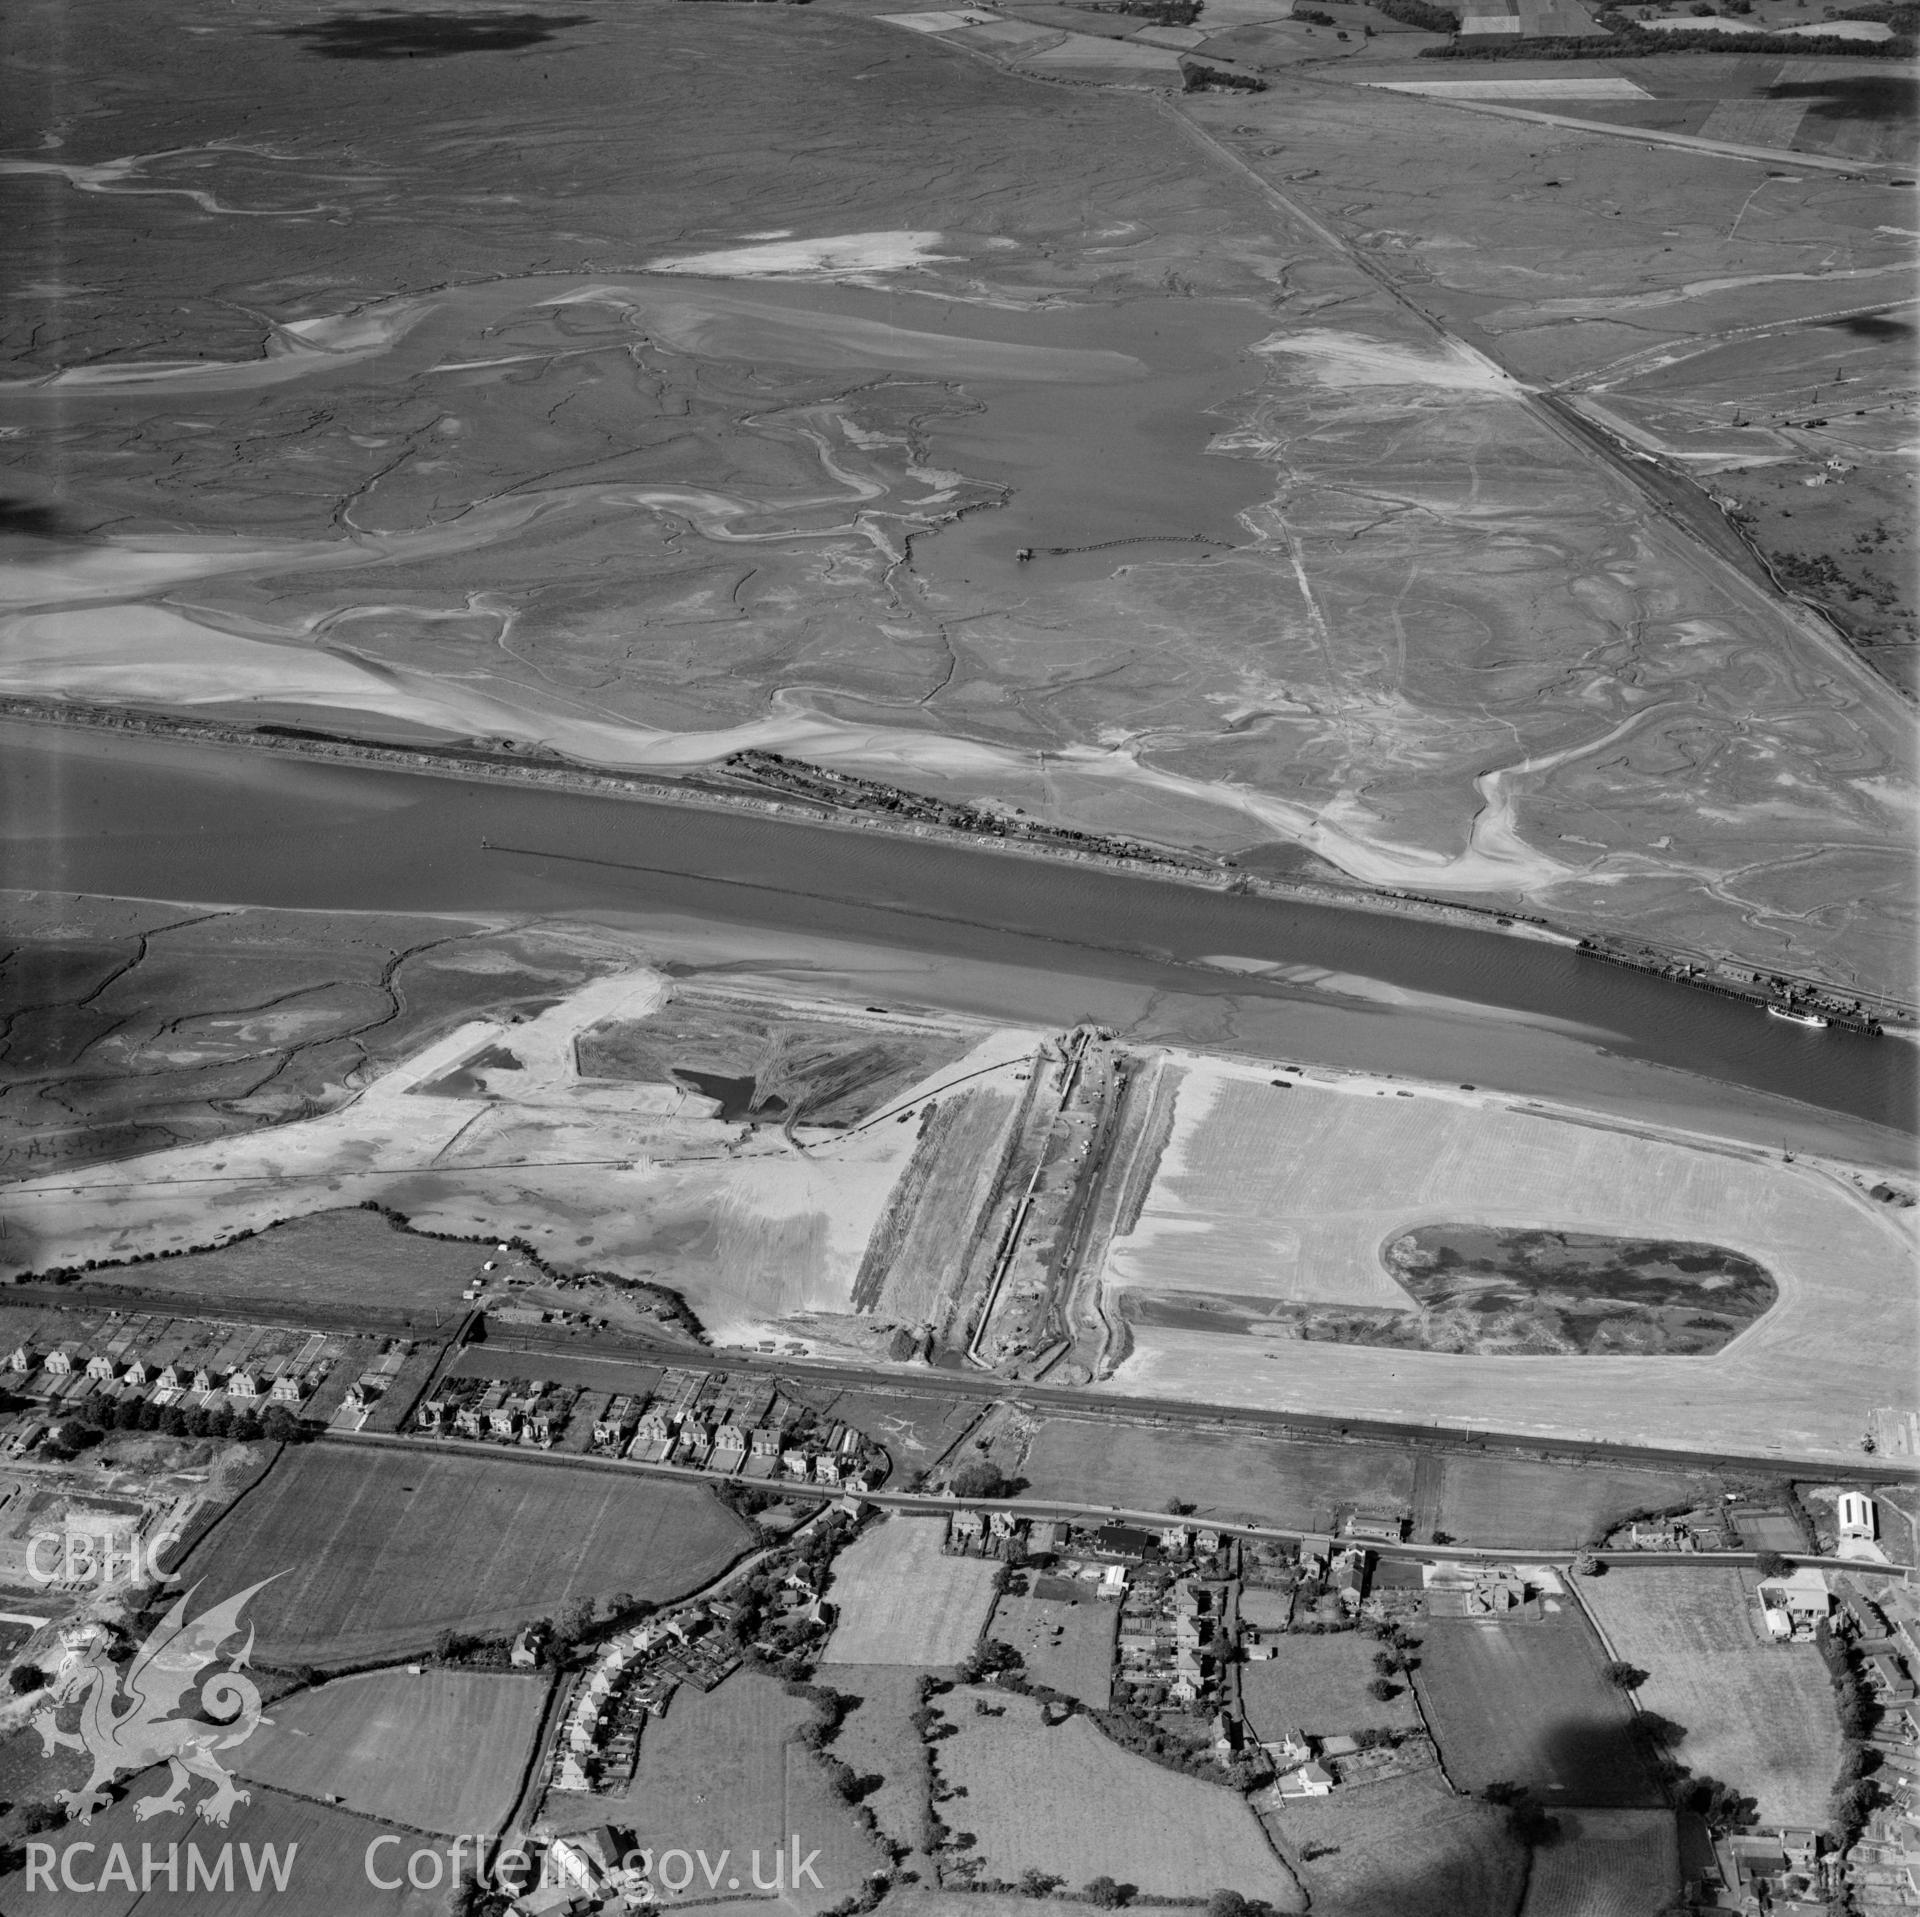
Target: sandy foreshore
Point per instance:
(660, 787)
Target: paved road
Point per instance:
(930, 1504)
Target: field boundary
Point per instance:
(532, 1788)
(544, 1679)
(199, 1534)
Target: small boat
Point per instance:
(1794, 1017)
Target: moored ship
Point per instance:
(1794, 1015)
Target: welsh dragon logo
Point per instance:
(130, 1723)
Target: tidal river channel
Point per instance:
(156, 819)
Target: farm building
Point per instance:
(1858, 1516)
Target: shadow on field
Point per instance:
(1891, 98)
(1604, 1763)
(31, 519)
(1872, 326)
(427, 36)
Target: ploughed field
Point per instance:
(374, 1552)
(1605, 1863)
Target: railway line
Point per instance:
(1175, 1414)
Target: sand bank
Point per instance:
(835, 256)
(1348, 359)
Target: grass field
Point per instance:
(902, 1602)
(1606, 1863)
(325, 1877)
(720, 1774)
(349, 1257)
(444, 1751)
(1759, 1716)
(1273, 1482)
(1067, 1801)
(1319, 1685)
(1067, 1647)
(1288, 1197)
(878, 1740)
(915, 1428)
(384, 1549)
(1404, 1848)
(1509, 1502)
(1526, 1702)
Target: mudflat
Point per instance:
(449, 390)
